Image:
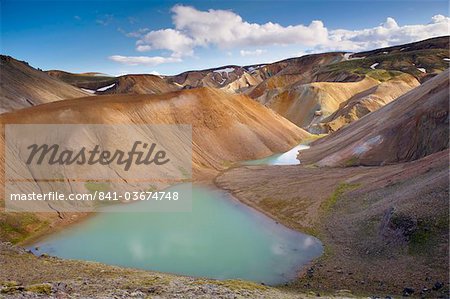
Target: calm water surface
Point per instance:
(286, 158)
(221, 238)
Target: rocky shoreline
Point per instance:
(25, 275)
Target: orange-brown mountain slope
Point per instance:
(225, 127)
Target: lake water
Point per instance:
(221, 238)
(286, 158)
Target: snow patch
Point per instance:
(347, 56)
(367, 145)
(106, 87)
(253, 68)
(225, 70)
(374, 65)
(88, 90)
(422, 69)
(446, 59)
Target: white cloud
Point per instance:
(166, 39)
(143, 60)
(386, 34)
(225, 29)
(256, 52)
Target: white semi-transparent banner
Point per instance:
(97, 167)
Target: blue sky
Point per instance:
(104, 36)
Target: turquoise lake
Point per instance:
(221, 238)
(286, 158)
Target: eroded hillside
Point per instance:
(226, 127)
(411, 127)
(325, 92)
(24, 86)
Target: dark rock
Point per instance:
(408, 292)
(438, 285)
(310, 272)
(60, 287)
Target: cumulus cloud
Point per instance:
(256, 52)
(386, 34)
(225, 29)
(166, 39)
(146, 60)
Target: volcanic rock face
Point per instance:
(413, 126)
(23, 86)
(282, 74)
(231, 78)
(300, 102)
(365, 102)
(324, 92)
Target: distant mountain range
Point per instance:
(320, 92)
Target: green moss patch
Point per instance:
(329, 203)
(16, 227)
(425, 234)
(93, 187)
(43, 288)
